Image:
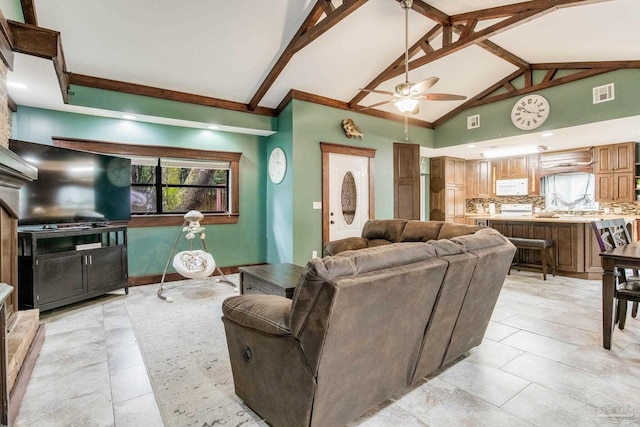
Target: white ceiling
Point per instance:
(223, 49)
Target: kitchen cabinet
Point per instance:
(60, 267)
(569, 243)
(533, 169)
(479, 183)
(614, 173)
(447, 189)
(511, 167)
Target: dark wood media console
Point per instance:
(61, 266)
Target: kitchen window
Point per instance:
(570, 192)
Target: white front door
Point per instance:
(348, 195)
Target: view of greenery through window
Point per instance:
(178, 188)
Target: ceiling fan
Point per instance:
(407, 96)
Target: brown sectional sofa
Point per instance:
(378, 232)
(363, 325)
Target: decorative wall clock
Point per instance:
(277, 165)
(530, 112)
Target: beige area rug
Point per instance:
(184, 348)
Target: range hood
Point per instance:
(568, 161)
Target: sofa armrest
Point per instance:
(350, 243)
(265, 313)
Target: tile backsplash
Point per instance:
(538, 202)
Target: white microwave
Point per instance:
(512, 187)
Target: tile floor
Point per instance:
(541, 364)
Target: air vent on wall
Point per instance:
(473, 121)
(603, 93)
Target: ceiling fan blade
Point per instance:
(389, 101)
(441, 97)
(425, 84)
(382, 92)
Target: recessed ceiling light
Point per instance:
(546, 134)
(17, 85)
(214, 127)
(471, 146)
(129, 117)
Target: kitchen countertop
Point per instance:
(559, 218)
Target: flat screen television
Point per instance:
(73, 186)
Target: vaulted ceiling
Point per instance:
(253, 56)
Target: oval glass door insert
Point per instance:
(349, 198)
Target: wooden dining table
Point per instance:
(627, 256)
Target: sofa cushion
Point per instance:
(484, 238)
(383, 229)
(346, 244)
(446, 247)
(421, 231)
(452, 229)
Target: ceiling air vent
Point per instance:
(473, 121)
(603, 93)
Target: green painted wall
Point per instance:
(313, 124)
(12, 9)
(149, 248)
(570, 104)
(280, 215)
(137, 104)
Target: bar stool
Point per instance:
(545, 246)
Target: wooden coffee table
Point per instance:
(270, 279)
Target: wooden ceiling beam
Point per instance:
(479, 37)
(172, 95)
(544, 85)
(550, 75)
(474, 38)
(317, 99)
(582, 65)
(548, 81)
(512, 9)
(493, 48)
(43, 43)
(468, 103)
(6, 42)
(311, 29)
(430, 12)
(29, 12)
(468, 28)
(399, 63)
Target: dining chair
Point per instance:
(613, 233)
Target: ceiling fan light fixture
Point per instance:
(406, 105)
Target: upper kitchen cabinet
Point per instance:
(616, 158)
(479, 179)
(511, 167)
(614, 172)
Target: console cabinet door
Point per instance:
(105, 268)
(58, 276)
